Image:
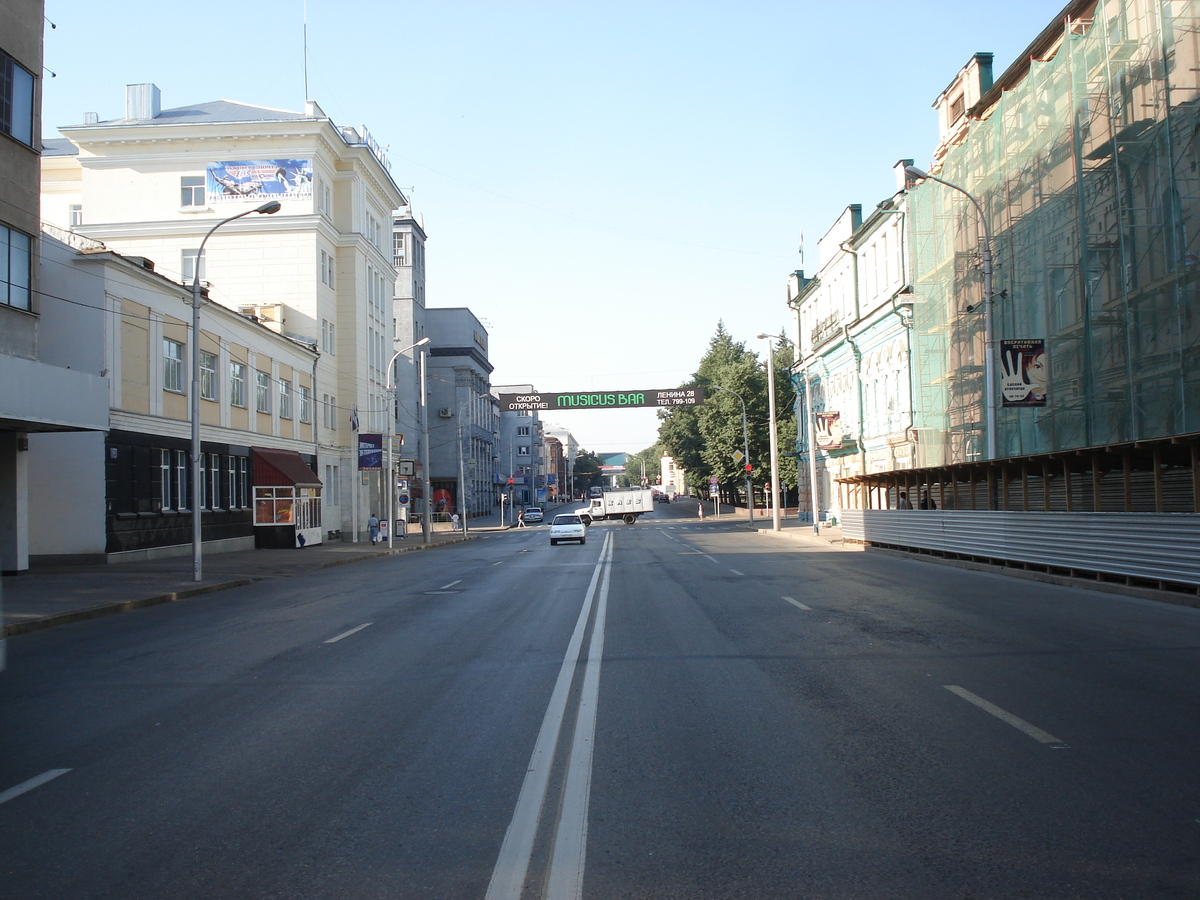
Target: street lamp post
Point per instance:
(391, 426)
(426, 489)
(775, 524)
(814, 486)
(989, 362)
(272, 206)
(746, 447)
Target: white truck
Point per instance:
(623, 505)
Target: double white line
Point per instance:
(569, 849)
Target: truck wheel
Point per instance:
(587, 520)
(629, 518)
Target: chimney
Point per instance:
(91, 118)
(142, 101)
(903, 180)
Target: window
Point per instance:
(305, 405)
(522, 451)
(238, 492)
(172, 366)
(208, 376)
(331, 485)
(181, 479)
(522, 431)
(75, 211)
(191, 189)
(262, 392)
(15, 269)
(16, 100)
(187, 266)
(285, 399)
(237, 384)
(166, 467)
(398, 255)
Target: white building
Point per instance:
(152, 183)
(853, 336)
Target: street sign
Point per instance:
(404, 499)
(713, 480)
(738, 456)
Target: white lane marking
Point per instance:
(736, 572)
(706, 556)
(565, 879)
(450, 585)
(26, 786)
(346, 634)
(500, 562)
(508, 876)
(1020, 724)
(798, 604)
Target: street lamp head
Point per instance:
(765, 337)
(914, 172)
(422, 342)
(271, 206)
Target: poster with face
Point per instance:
(1025, 372)
(829, 430)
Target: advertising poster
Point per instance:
(829, 430)
(370, 451)
(1024, 372)
(259, 180)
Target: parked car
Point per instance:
(662, 498)
(567, 528)
(533, 514)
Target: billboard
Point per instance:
(829, 430)
(370, 451)
(1024, 371)
(261, 180)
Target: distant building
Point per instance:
(562, 459)
(672, 478)
(521, 448)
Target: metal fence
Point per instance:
(1160, 548)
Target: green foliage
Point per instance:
(587, 471)
(703, 439)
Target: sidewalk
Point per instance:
(791, 528)
(48, 596)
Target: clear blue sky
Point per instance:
(601, 182)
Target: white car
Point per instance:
(567, 528)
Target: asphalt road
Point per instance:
(673, 710)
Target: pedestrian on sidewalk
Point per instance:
(927, 502)
(700, 511)
(454, 523)
(373, 527)
(521, 519)
(903, 502)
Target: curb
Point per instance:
(94, 612)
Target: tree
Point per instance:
(587, 471)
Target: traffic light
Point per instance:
(749, 468)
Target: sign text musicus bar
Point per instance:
(661, 398)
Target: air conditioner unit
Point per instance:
(445, 412)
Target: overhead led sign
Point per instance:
(663, 399)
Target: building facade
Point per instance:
(153, 183)
(1083, 157)
(852, 372)
(49, 381)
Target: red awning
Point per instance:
(281, 467)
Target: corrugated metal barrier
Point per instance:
(1156, 547)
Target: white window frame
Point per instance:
(285, 399)
(305, 405)
(174, 358)
(262, 392)
(187, 266)
(208, 375)
(188, 187)
(237, 384)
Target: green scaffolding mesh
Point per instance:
(1089, 171)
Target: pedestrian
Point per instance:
(454, 522)
(521, 519)
(927, 502)
(373, 527)
(903, 502)
(700, 511)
